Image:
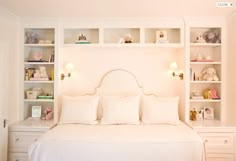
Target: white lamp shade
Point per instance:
(173, 66)
(69, 67)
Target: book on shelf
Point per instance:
(202, 60)
(44, 97)
(197, 97)
(37, 61)
(39, 79)
(82, 42)
(191, 74)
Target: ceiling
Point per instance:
(116, 8)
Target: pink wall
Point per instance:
(149, 65)
(9, 37)
(231, 66)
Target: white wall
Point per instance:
(231, 66)
(149, 65)
(9, 37)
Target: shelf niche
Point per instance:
(173, 35)
(71, 36)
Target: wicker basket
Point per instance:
(33, 94)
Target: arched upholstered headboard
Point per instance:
(119, 81)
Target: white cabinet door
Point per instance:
(222, 143)
(4, 63)
(220, 157)
(18, 157)
(20, 141)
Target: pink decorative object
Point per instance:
(214, 95)
(38, 56)
(48, 114)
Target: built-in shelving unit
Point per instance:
(39, 69)
(203, 53)
(156, 33)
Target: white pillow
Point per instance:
(160, 110)
(120, 110)
(80, 109)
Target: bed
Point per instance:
(131, 140)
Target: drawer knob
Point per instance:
(226, 141)
(35, 139)
(206, 141)
(17, 139)
(17, 160)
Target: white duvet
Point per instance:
(74, 142)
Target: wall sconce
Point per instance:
(173, 68)
(69, 67)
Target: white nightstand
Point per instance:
(22, 134)
(219, 139)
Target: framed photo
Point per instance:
(36, 111)
(161, 36)
(209, 113)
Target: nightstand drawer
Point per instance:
(20, 141)
(18, 157)
(218, 142)
(220, 157)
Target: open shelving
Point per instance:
(116, 33)
(201, 55)
(38, 54)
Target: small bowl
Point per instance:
(208, 58)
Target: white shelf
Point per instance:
(165, 45)
(39, 45)
(205, 63)
(205, 82)
(152, 45)
(38, 81)
(110, 36)
(205, 44)
(212, 124)
(39, 63)
(38, 100)
(204, 100)
(32, 124)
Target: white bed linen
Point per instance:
(74, 142)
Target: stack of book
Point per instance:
(197, 96)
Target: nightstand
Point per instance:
(22, 134)
(218, 137)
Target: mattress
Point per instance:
(75, 142)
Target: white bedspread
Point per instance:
(118, 143)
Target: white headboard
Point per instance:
(118, 81)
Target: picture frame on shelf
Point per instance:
(209, 113)
(161, 36)
(36, 111)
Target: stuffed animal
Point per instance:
(209, 74)
(212, 36)
(199, 39)
(32, 38)
(48, 114)
(128, 38)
